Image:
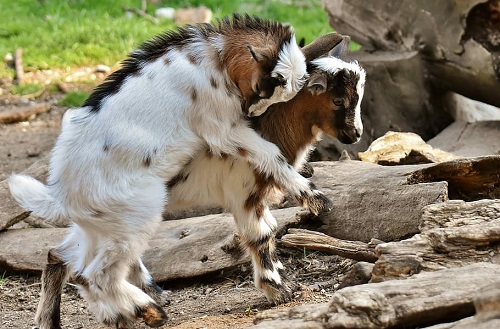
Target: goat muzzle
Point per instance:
(349, 135)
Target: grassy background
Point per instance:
(64, 33)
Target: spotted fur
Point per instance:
(183, 92)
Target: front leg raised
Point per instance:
(244, 143)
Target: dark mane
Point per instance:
(162, 43)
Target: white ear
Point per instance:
(317, 84)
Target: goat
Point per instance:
(329, 104)
(184, 91)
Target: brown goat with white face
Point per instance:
(329, 104)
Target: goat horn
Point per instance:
(322, 45)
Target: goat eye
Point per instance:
(338, 101)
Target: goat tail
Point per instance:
(34, 196)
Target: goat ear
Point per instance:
(317, 84)
(260, 54)
(322, 45)
(341, 49)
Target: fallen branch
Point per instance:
(318, 241)
(24, 113)
(141, 13)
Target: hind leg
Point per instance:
(258, 229)
(113, 298)
(140, 276)
(54, 276)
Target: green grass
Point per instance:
(3, 279)
(88, 32)
(26, 89)
(74, 98)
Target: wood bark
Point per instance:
(454, 233)
(23, 113)
(457, 39)
(373, 201)
(10, 211)
(369, 200)
(182, 248)
(427, 299)
(469, 139)
(318, 241)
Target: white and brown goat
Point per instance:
(329, 104)
(184, 92)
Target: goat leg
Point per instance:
(55, 274)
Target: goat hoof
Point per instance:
(319, 203)
(278, 294)
(124, 323)
(160, 296)
(154, 316)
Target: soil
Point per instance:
(221, 300)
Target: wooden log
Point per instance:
(179, 249)
(23, 113)
(318, 241)
(370, 201)
(469, 139)
(426, 299)
(373, 201)
(468, 179)
(454, 233)
(10, 211)
(457, 39)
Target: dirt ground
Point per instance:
(222, 300)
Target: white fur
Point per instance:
(333, 65)
(291, 66)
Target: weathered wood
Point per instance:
(468, 179)
(457, 39)
(318, 241)
(469, 139)
(10, 211)
(426, 299)
(373, 201)
(454, 233)
(18, 66)
(370, 201)
(395, 148)
(180, 249)
(23, 113)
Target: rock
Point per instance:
(165, 13)
(468, 110)
(360, 273)
(192, 15)
(395, 148)
(101, 68)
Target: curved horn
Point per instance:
(341, 49)
(322, 45)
